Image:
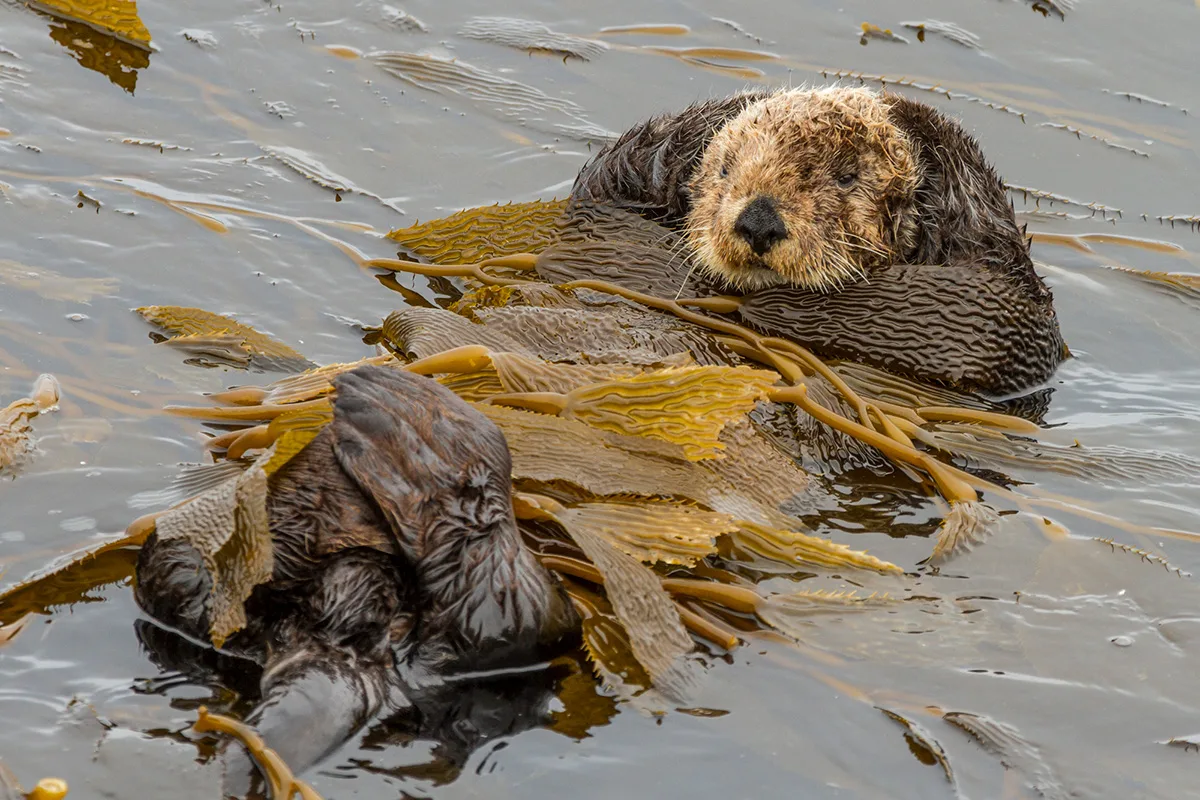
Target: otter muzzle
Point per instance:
(760, 225)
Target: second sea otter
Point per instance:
(889, 236)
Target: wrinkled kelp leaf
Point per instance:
(949, 30)
(16, 433)
(1013, 750)
(526, 34)
(1184, 287)
(229, 526)
(306, 165)
(476, 234)
(502, 97)
(51, 285)
(790, 546)
(656, 634)
(116, 17)
(650, 532)
(204, 329)
(688, 406)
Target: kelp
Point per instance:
(531, 36)
(229, 525)
(116, 17)
(477, 234)
(636, 430)
(1013, 750)
(16, 432)
(52, 285)
(205, 333)
(283, 783)
(497, 95)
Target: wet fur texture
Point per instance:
(396, 551)
(919, 192)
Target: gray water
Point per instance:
(1088, 652)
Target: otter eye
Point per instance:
(724, 170)
(847, 180)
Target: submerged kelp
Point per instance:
(628, 446)
(16, 442)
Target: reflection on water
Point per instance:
(117, 60)
(1062, 649)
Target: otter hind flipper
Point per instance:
(411, 444)
(441, 473)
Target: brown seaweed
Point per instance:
(1013, 751)
(204, 333)
(284, 785)
(531, 36)
(502, 97)
(949, 30)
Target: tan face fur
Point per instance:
(827, 172)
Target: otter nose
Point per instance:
(760, 225)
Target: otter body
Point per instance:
(397, 560)
(820, 202)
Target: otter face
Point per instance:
(808, 188)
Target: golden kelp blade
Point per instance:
(262, 350)
(800, 548)
(657, 636)
(518, 373)
(652, 532)
(15, 431)
(116, 17)
(1013, 750)
(476, 234)
(607, 644)
(315, 382)
(291, 433)
(229, 525)
(688, 406)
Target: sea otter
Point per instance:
(864, 224)
(398, 562)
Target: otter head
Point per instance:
(808, 188)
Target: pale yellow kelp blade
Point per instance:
(802, 549)
(476, 234)
(230, 528)
(651, 532)
(688, 406)
(208, 329)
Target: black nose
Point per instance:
(760, 225)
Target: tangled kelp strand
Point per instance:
(1142, 98)
(284, 785)
(908, 83)
(1039, 195)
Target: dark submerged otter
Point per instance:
(865, 225)
(398, 562)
